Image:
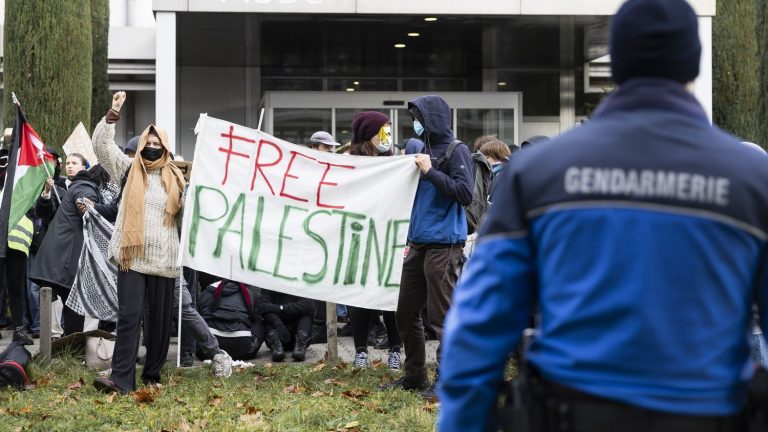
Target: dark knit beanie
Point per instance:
(655, 38)
(366, 124)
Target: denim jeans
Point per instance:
(32, 318)
(194, 330)
(759, 348)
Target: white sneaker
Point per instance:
(393, 360)
(222, 365)
(361, 360)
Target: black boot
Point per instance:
(300, 348)
(276, 345)
(21, 334)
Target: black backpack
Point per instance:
(483, 176)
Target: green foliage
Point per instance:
(762, 44)
(101, 97)
(286, 397)
(735, 66)
(47, 63)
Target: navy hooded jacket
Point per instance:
(641, 236)
(437, 216)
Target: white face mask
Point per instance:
(385, 139)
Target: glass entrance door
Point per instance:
(295, 116)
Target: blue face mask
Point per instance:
(418, 128)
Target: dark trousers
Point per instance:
(428, 278)
(73, 322)
(14, 267)
(134, 291)
(361, 321)
(294, 325)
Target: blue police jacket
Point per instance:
(641, 236)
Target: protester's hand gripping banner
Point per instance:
(263, 211)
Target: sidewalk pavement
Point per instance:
(315, 352)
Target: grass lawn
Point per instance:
(266, 397)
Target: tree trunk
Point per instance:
(47, 63)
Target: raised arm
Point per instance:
(110, 156)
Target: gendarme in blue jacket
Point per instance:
(641, 236)
(437, 216)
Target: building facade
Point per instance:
(512, 67)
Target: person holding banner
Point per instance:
(145, 245)
(57, 259)
(372, 136)
(436, 236)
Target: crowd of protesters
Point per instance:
(137, 188)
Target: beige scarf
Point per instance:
(132, 239)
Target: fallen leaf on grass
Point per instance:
(111, 398)
(252, 410)
(352, 424)
(239, 405)
(183, 424)
(76, 385)
(376, 364)
(385, 379)
(25, 410)
(179, 401)
(293, 389)
(340, 366)
(318, 394)
(268, 365)
(334, 381)
(252, 420)
(431, 406)
(145, 394)
(320, 366)
(215, 401)
(355, 393)
(200, 424)
(30, 386)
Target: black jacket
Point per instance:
(228, 312)
(57, 259)
(277, 307)
(43, 212)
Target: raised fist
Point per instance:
(117, 100)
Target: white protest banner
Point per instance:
(80, 142)
(265, 212)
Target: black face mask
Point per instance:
(152, 154)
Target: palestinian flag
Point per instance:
(28, 167)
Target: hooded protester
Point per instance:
(145, 245)
(436, 236)
(372, 136)
(57, 259)
(229, 311)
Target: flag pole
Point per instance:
(40, 153)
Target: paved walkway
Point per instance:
(314, 353)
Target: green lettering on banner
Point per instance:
(253, 258)
(196, 216)
(286, 210)
(354, 253)
(342, 238)
(381, 262)
(319, 276)
(395, 247)
(237, 207)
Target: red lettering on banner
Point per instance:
(323, 182)
(287, 175)
(229, 151)
(258, 168)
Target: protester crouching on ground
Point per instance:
(288, 320)
(372, 136)
(57, 261)
(145, 245)
(229, 311)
